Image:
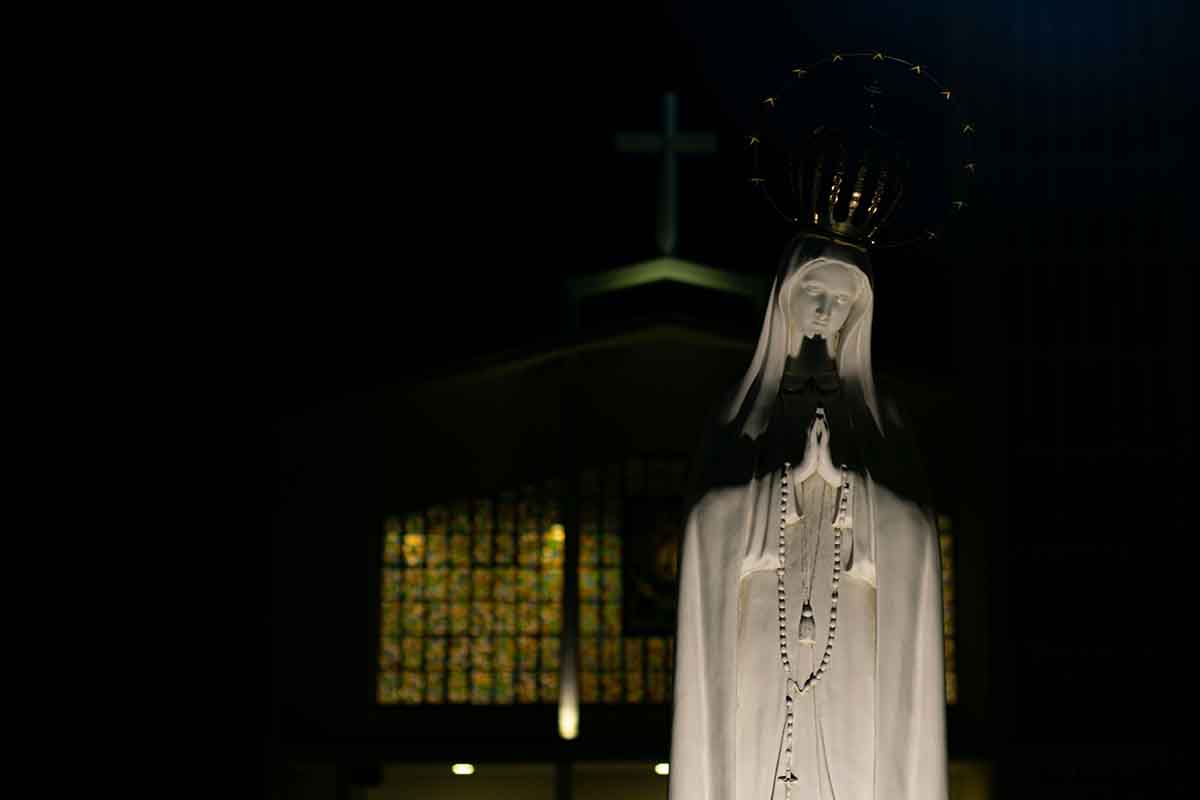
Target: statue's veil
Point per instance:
(735, 440)
(750, 405)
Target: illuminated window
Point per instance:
(472, 602)
(626, 642)
(946, 542)
(472, 594)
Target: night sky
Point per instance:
(445, 169)
(425, 182)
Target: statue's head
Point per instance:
(820, 297)
(822, 288)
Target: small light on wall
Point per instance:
(568, 691)
(463, 769)
(568, 720)
(662, 769)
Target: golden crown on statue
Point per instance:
(847, 177)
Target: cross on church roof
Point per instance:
(671, 142)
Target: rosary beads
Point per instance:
(806, 626)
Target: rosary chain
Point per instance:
(781, 571)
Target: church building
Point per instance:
(513, 554)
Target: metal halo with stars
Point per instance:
(963, 174)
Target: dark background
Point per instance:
(419, 186)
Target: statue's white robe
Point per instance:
(881, 708)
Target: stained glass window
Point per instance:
(620, 662)
(472, 594)
(471, 599)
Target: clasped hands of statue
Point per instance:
(811, 382)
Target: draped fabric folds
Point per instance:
(879, 715)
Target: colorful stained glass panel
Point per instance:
(656, 654)
(610, 585)
(505, 688)
(458, 692)
(505, 547)
(553, 543)
(611, 620)
(527, 652)
(506, 654)
(414, 619)
(435, 653)
(656, 687)
(460, 549)
(505, 623)
(634, 688)
(481, 548)
(393, 585)
(412, 687)
(589, 585)
(610, 655)
(589, 654)
(527, 687)
(528, 548)
(481, 687)
(393, 541)
(389, 688)
(435, 686)
(450, 621)
(389, 619)
(481, 654)
(435, 549)
(414, 549)
(589, 620)
(527, 619)
(589, 549)
(389, 656)
(460, 653)
(589, 687)
(414, 585)
(551, 619)
(505, 586)
(610, 553)
(460, 618)
(527, 586)
(550, 651)
(549, 686)
(481, 581)
(412, 649)
(552, 586)
(439, 619)
(460, 585)
(436, 584)
(633, 654)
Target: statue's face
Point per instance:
(822, 300)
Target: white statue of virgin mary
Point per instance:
(809, 653)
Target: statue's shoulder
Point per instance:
(896, 515)
(718, 505)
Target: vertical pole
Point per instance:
(569, 698)
(668, 192)
(563, 790)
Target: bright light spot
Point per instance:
(568, 722)
(463, 769)
(662, 769)
(568, 704)
(557, 534)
